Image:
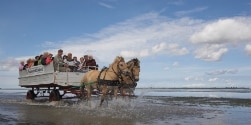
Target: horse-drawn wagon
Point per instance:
(42, 79)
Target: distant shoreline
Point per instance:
(156, 88)
(196, 88)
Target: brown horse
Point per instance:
(129, 82)
(106, 79)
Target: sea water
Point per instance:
(151, 106)
(243, 93)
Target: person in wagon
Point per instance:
(70, 61)
(81, 66)
(21, 66)
(39, 60)
(49, 59)
(44, 57)
(36, 60)
(58, 62)
(26, 65)
(76, 63)
(85, 61)
(30, 62)
(91, 63)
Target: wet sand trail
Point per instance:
(146, 110)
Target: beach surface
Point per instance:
(140, 110)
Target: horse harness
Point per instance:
(133, 85)
(109, 82)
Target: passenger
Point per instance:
(49, 59)
(65, 58)
(21, 66)
(25, 66)
(81, 63)
(91, 63)
(69, 57)
(39, 60)
(85, 61)
(75, 60)
(59, 64)
(70, 61)
(30, 62)
(76, 63)
(36, 60)
(43, 60)
(81, 67)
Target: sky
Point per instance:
(180, 43)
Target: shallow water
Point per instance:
(150, 107)
(216, 93)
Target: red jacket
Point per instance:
(48, 60)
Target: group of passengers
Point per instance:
(62, 63)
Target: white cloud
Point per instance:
(187, 12)
(144, 36)
(210, 52)
(212, 79)
(176, 2)
(172, 48)
(134, 54)
(195, 85)
(134, 37)
(187, 78)
(194, 78)
(9, 64)
(175, 49)
(159, 47)
(141, 36)
(232, 71)
(175, 64)
(231, 30)
(166, 68)
(105, 5)
(222, 72)
(248, 49)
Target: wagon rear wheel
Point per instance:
(30, 95)
(58, 93)
(54, 96)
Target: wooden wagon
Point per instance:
(43, 79)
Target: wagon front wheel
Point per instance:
(54, 95)
(30, 95)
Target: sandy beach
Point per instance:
(146, 110)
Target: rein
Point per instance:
(110, 82)
(133, 64)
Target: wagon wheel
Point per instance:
(58, 93)
(54, 95)
(30, 95)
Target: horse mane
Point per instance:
(119, 59)
(133, 62)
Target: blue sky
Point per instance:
(180, 43)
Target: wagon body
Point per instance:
(43, 79)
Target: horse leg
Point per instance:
(116, 91)
(89, 94)
(123, 92)
(103, 96)
(88, 90)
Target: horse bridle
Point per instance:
(133, 76)
(119, 72)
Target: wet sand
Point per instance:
(128, 111)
